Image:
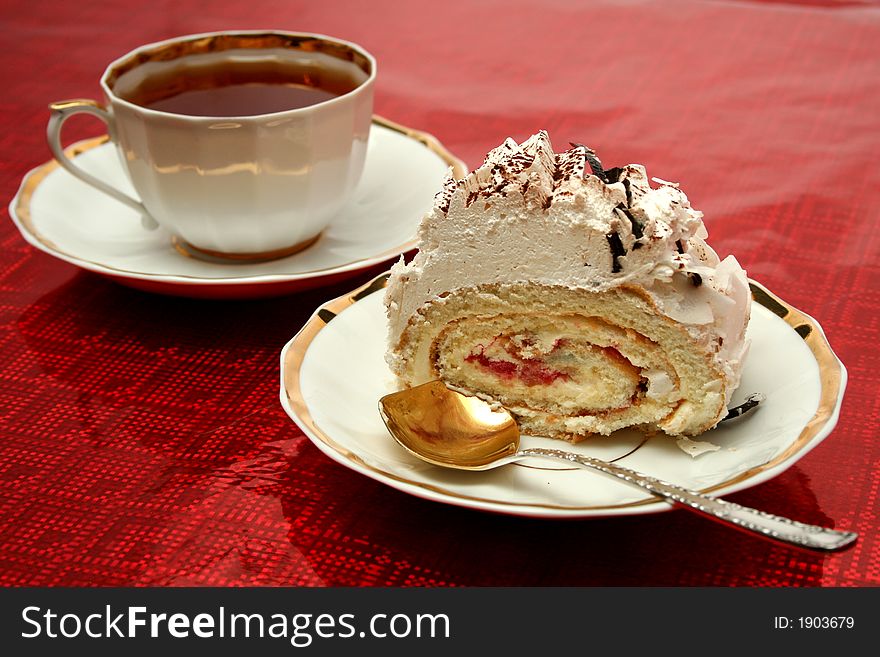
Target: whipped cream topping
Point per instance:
(529, 214)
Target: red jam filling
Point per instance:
(530, 371)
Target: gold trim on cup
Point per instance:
(830, 376)
(202, 44)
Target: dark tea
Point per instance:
(240, 88)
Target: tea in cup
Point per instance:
(243, 145)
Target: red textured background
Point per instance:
(141, 441)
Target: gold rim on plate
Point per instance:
(831, 376)
(21, 211)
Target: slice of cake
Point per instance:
(583, 300)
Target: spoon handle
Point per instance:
(741, 517)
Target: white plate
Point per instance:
(71, 220)
(333, 374)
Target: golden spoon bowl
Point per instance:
(449, 429)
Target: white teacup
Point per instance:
(220, 148)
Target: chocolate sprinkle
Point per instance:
(617, 250)
(749, 404)
(595, 163)
(443, 198)
(696, 279)
(612, 175)
(637, 227)
(678, 246)
(596, 166)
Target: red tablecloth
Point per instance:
(141, 440)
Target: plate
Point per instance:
(72, 221)
(333, 373)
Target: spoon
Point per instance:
(452, 430)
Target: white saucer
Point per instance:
(70, 220)
(333, 374)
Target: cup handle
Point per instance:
(63, 110)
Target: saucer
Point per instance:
(72, 221)
(333, 373)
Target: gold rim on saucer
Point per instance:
(831, 377)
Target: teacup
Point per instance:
(243, 145)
